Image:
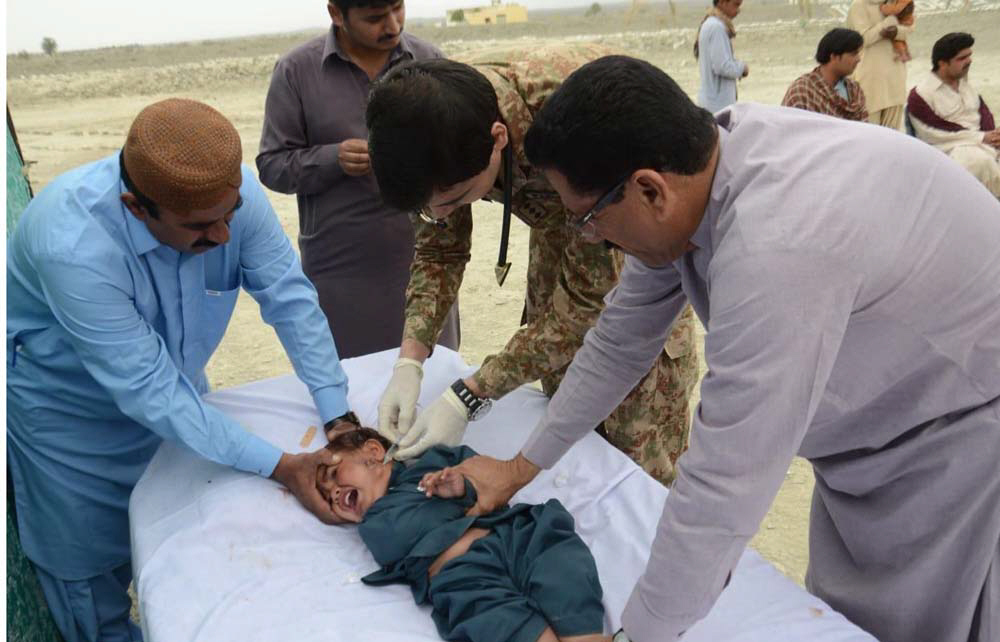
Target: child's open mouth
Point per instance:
(350, 499)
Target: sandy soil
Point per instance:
(76, 107)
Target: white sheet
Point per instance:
(223, 555)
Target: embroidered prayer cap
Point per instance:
(183, 154)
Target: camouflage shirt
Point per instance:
(567, 277)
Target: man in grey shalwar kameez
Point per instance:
(853, 318)
(355, 249)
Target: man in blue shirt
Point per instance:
(121, 279)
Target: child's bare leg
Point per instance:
(548, 635)
(594, 637)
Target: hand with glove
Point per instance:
(443, 423)
(398, 405)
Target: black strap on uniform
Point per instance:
(502, 266)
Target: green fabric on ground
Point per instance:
(28, 617)
(18, 191)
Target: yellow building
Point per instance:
(495, 14)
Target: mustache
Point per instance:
(205, 243)
(388, 37)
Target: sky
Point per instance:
(86, 24)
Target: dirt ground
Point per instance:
(77, 106)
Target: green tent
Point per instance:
(18, 188)
(28, 617)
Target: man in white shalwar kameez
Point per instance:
(949, 114)
(853, 318)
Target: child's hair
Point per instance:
(355, 439)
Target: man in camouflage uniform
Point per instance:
(568, 277)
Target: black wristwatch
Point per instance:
(348, 417)
(476, 406)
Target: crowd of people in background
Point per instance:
(828, 88)
(946, 112)
(861, 75)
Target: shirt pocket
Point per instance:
(46, 345)
(217, 308)
(14, 346)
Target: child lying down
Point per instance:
(520, 574)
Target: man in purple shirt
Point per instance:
(853, 319)
(355, 249)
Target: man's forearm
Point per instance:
(307, 170)
(522, 471)
(935, 136)
(629, 335)
(535, 351)
(436, 275)
(288, 302)
(413, 349)
(424, 318)
(547, 344)
(288, 161)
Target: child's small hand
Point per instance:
(447, 483)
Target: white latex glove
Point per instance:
(442, 423)
(398, 405)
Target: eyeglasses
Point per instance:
(427, 217)
(585, 224)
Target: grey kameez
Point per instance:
(355, 249)
(853, 318)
